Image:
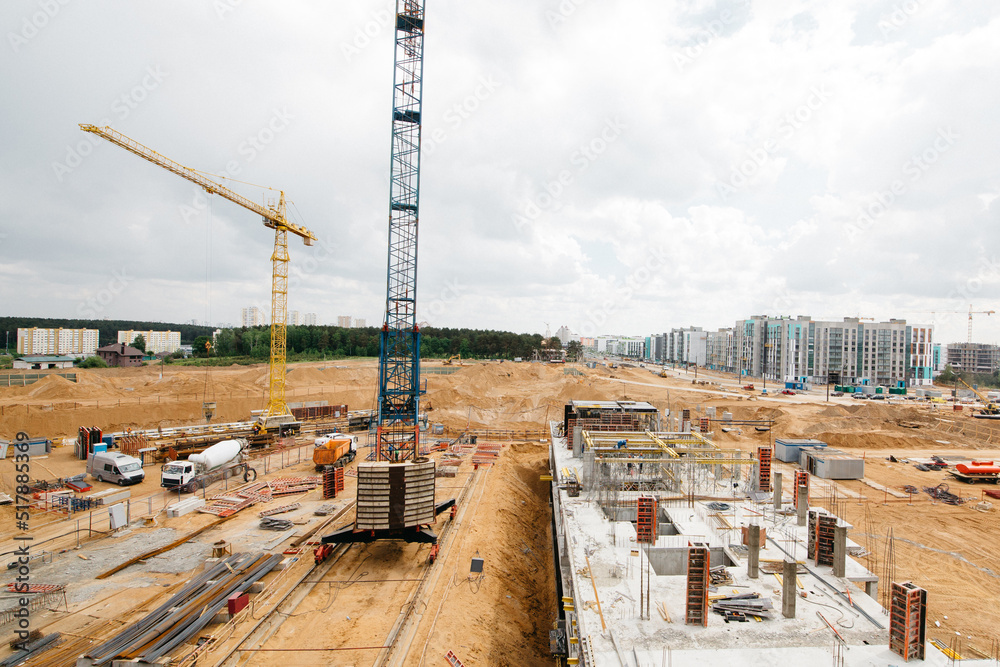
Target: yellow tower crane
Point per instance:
(277, 411)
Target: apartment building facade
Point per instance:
(852, 351)
(973, 357)
(157, 342)
(59, 341)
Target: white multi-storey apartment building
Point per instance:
(157, 342)
(34, 340)
(252, 316)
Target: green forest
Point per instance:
(304, 342)
(333, 342)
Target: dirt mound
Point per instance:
(871, 439)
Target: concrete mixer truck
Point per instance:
(222, 460)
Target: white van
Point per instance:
(121, 469)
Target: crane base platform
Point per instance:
(351, 536)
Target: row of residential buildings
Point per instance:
(851, 351)
(33, 341)
(855, 351)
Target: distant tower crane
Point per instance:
(962, 312)
(273, 214)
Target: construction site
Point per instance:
(405, 511)
(584, 499)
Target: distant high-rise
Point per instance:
(253, 317)
(309, 319)
(156, 341)
(564, 335)
(344, 321)
(359, 323)
(56, 341)
(294, 318)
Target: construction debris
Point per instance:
(739, 607)
(280, 510)
(323, 510)
(25, 650)
(941, 492)
(286, 486)
(229, 503)
(269, 523)
(187, 612)
(719, 576)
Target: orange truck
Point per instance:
(334, 449)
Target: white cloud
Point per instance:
(745, 140)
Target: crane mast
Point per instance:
(399, 357)
(274, 217)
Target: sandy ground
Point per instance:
(946, 549)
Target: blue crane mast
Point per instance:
(398, 432)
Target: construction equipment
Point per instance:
(396, 491)
(273, 214)
(990, 409)
(335, 449)
(399, 357)
(451, 360)
(976, 471)
(220, 461)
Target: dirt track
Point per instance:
(948, 550)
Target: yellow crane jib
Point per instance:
(274, 217)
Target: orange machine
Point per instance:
(335, 449)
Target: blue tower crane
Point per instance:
(398, 433)
(396, 493)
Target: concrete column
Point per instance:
(788, 588)
(777, 491)
(802, 494)
(840, 551)
(871, 589)
(753, 564)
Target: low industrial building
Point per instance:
(787, 449)
(43, 362)
(831, 463)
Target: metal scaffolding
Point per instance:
(619, 467)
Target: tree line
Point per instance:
(333, 341)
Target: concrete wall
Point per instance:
(667, 561)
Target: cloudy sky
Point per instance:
(617, 166)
